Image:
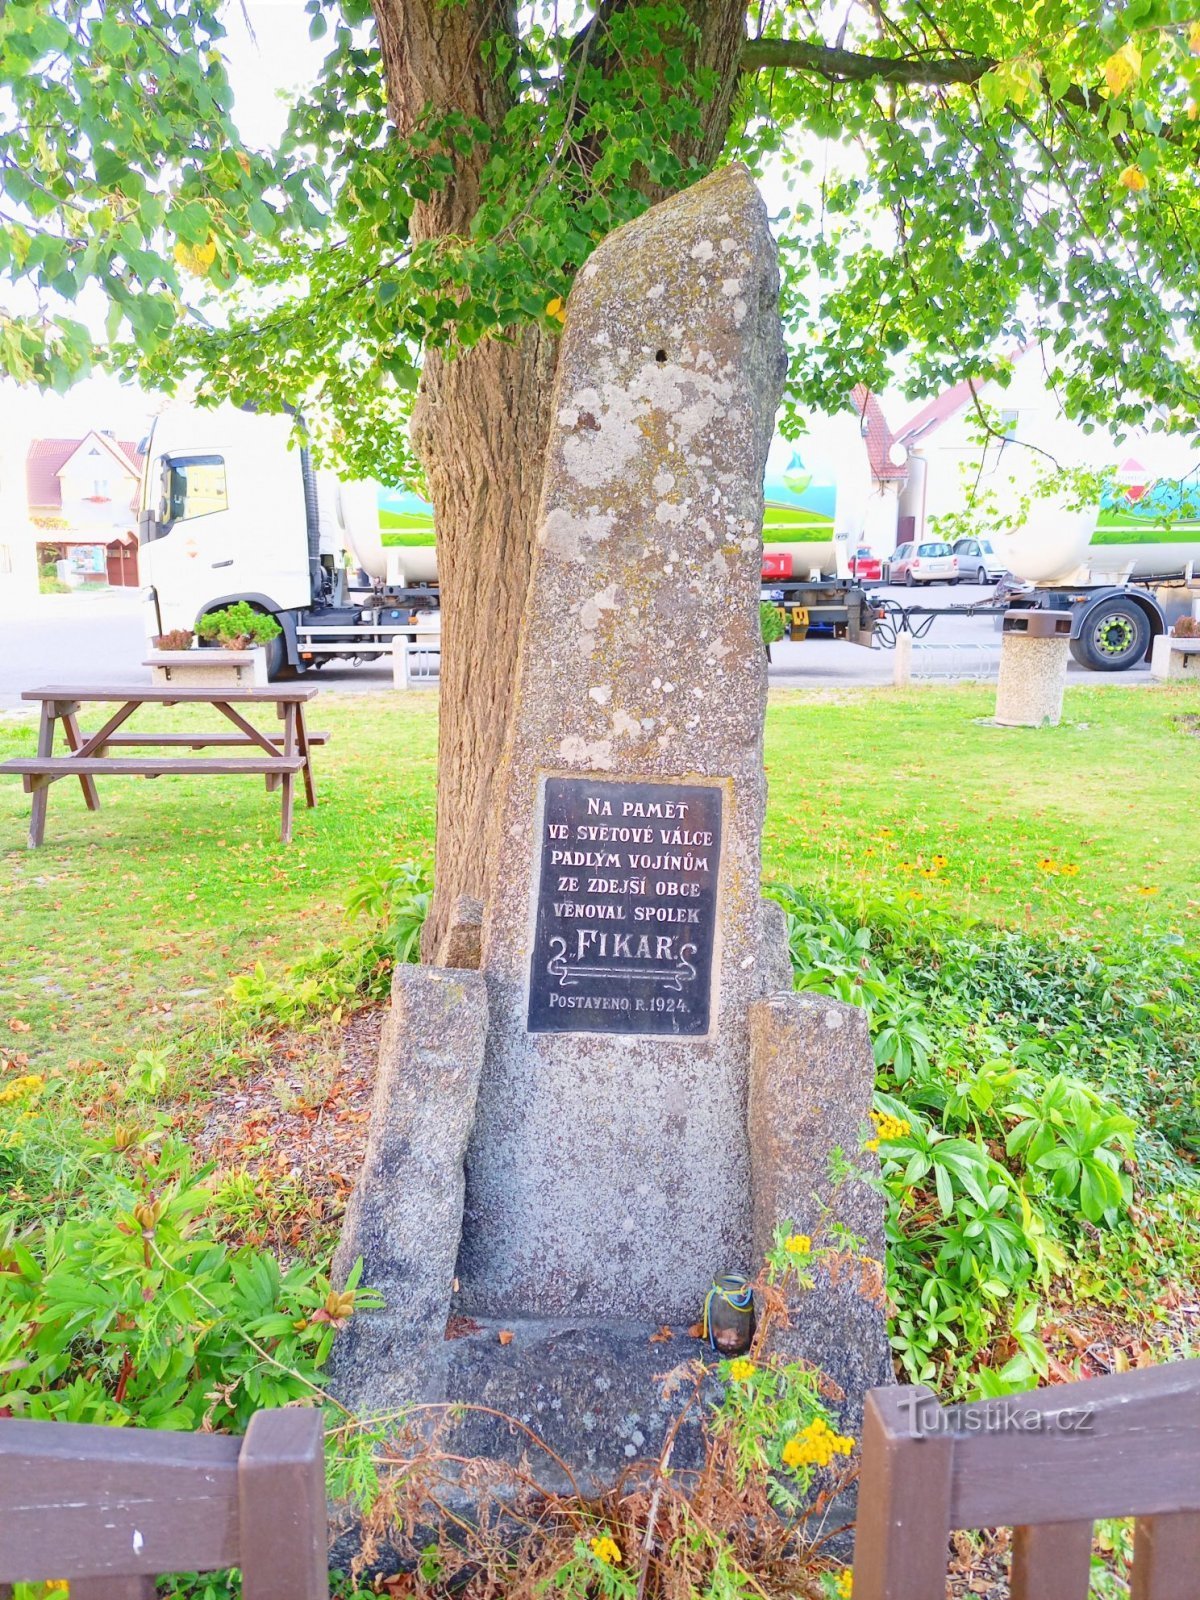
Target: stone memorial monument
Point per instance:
(625, 1100)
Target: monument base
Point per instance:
(600, 1395)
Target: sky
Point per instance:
(270, 56)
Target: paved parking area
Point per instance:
(95, 638)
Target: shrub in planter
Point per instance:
(238, 627)
(770, 619)
(1186, 628)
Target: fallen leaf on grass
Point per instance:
(17, 1026)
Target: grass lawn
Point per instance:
(132, 919)
(130, 923)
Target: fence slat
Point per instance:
(1166, 1557)
(1048, 1464)
(124, 1501)
(1051, 1561)
(113, 1588)
(282, 1519)
(1052, 1461)
(903, 1502)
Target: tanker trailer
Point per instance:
(817, 492)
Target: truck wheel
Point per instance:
(1114, 636)
(277, 661)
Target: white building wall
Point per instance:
(948, 459)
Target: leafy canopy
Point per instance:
(956, 180)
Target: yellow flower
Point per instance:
(1122, 67)
(557, 309)
(1146, 889)
(741, 1369)
(1133, 178)
(606, 1550)
(887, 1127)
(1047, 864)
(815, 1446)
(29, 1083)
(940, 861)
(1194, 38)
(843, 1584)
(1069, 869)
(798, 1243)
(57, 1585)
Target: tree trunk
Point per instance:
(480, 425)
(482, 419)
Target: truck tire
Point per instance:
(1113, 636)
(277, 661)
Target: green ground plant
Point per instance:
(132, 1312)
(1027, 1092)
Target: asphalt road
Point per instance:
(96, 638)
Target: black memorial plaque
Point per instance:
(626, 909)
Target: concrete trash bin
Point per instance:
(1034, 651)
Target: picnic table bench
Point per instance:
(280, 757)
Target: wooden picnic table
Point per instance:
(279, 757)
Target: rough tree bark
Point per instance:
(482, 417)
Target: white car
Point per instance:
(931, 562)
(978, 561)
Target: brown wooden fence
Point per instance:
(111, 1509)
(1046, 1464)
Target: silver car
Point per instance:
(978, 561)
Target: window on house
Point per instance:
(193, 486)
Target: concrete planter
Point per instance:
(209, 669)
(1174, 658)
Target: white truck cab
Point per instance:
(231, 509)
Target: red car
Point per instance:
(865, 566)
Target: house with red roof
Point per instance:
(982, 445)
(83, 498)
(887, 459)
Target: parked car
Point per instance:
(864, 566)
(978, 561)
(931, 562)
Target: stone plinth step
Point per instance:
(599, 1393)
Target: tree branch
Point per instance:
(761, 55)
